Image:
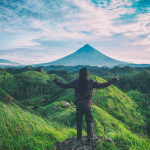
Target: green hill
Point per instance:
(4, 97)
(134, 81)
(3, 72)
(110, 99)
(21, 128)
(100, 72)
(107, 74)
(15, 70)
(122, 70)
(29, 84)
(63, 73)
(7, 99)
(40, 70)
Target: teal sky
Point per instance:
(40, 31)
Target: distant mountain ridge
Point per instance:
(86, 55)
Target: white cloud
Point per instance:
(24, 42)
(78, 16)
(146, 41)
(137, 56)
(142, 27)
(69, 20)
(7, 64)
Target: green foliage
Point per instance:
(63, 73)
(29, 84)
(40, 70)
(118, 104)
(134, 81)
(143, 102)
(100, 71)
(110, 99)
(56, 111)
(122, 70)
(21, 129)
(141, 68)
(3, 72)
(107, 74)
(7, 99)
(3, 94)
(24, 130)
(14, 70)
(125, 116)
(126, 140)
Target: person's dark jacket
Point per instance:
(84, 100)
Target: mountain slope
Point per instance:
(110, 100)
(86, 55)
(25, 130)
(3, 72)
(14, 70)
(29, 85)
(112, 109)
(40, 70)
(4, 97)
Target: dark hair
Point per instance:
(83, 80)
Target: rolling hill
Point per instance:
(50, 122)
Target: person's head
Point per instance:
(83, 74)
(83, 80)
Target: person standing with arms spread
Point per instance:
(83, 88)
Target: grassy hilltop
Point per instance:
(32, 115)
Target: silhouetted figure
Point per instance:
(83, 88)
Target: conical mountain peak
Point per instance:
(86, 48)
(87, 45)
(86, 55)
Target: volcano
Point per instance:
(86, 55)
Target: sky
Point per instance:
(40, 31)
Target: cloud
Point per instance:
(24, 42)
(142, 6)
(146, 41)
(54, 16)
(139, 56)
(49, 27)
(34, 56)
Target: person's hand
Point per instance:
(115, 79)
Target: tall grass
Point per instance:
(123, 140)
(24, 130)
(21, 129)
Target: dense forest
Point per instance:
(100, 71)
(30, 100)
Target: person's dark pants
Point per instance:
(80, 111)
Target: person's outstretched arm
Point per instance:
(106, 84)
(64, 85)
